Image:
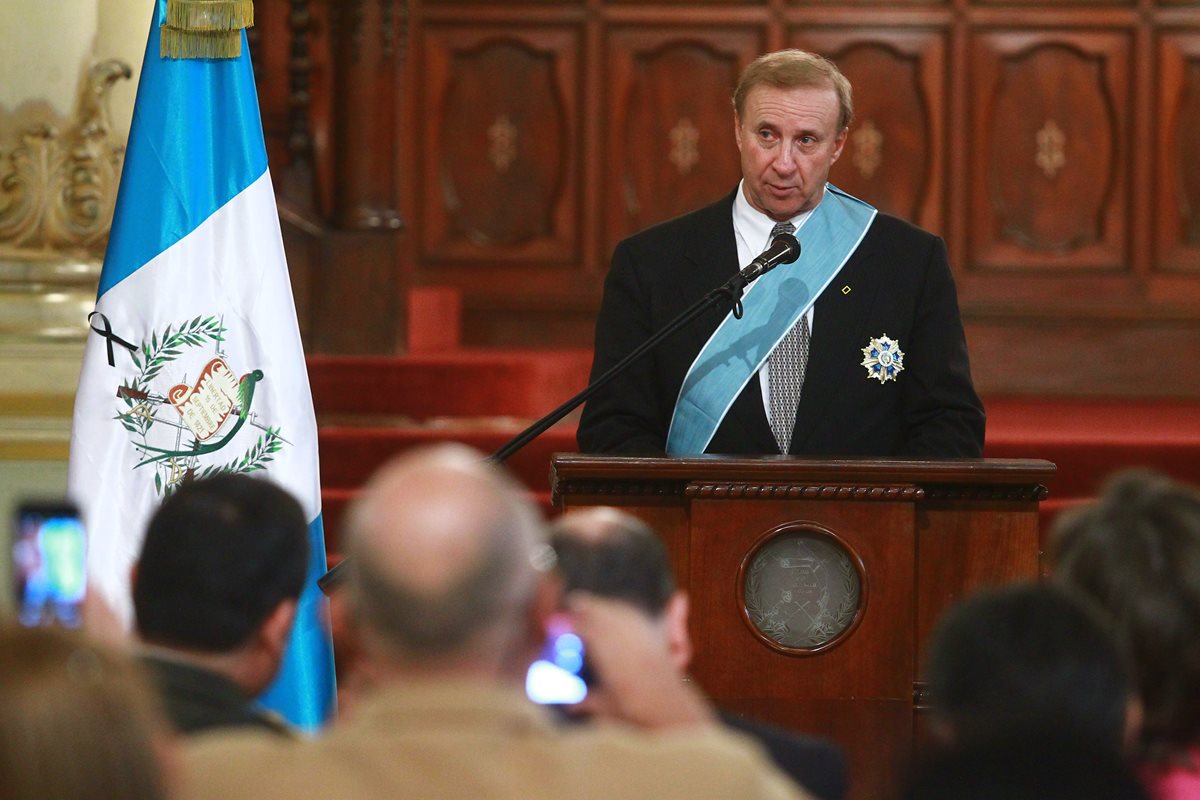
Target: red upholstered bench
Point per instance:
(370, 408)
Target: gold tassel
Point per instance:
(210, 15)
(178, 43)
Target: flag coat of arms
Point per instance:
(194, 365)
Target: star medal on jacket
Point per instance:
(883, 359)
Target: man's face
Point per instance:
(788, 139)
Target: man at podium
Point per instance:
(855, 349)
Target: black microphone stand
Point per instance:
(729, 295)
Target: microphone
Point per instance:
(784, 249)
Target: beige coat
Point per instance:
(472, 741)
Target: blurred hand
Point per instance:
(101, 622)
(638, 682)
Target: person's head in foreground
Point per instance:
(449, 569)
(1136, 553)
(1028, 658)
(450, 590)
(610, 553)
(220, 571)
(77, 722)
(613, 554)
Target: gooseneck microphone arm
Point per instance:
(784, 249)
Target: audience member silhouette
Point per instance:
(214, 596)
(450, 590)
(77, 722)
(1136, 553)
(1028, 659)
(610, 553)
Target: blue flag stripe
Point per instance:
(303, 691)
(195, 142)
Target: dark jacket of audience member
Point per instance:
(214, 596)
(613, 554)
(1136, 552)
(77, 722)
(1008, 768)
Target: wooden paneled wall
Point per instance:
(504, 148)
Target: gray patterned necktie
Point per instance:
(787, 364)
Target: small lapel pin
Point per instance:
(845, 290)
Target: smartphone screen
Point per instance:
(558, 676)
(49, 556)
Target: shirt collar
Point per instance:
(755, 226)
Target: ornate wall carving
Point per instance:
(1050, 121)
(1049, 144)
(58, 178)
(58, 187)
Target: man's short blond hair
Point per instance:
(793, 69)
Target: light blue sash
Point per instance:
(773, 304)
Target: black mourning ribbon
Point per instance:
(109, 336)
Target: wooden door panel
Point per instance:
(1177, 186)
(895, 155)
(1049, 180)
(500, 159)
(670, 124)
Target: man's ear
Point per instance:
(547, 603)
(737, 131)
(838, 143)
(942, 730)
(273, 634)
(1135, 718)
(679, 641)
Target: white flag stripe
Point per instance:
(230, 267)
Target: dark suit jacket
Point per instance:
(900, 285)
(198, 700)
(817, 765)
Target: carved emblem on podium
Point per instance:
(802, 588)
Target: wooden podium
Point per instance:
(814, 585)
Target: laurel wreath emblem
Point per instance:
(139, 416)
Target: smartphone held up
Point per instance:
(559, 676)
(49, 558)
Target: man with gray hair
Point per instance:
(855, 349)
(450, 592)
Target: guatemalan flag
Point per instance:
(195, 365)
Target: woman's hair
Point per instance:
(1136, 552)
(77, 722)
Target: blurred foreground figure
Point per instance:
(1010, 769)
(1136, 552)
(214, 594)
(614, 554)
(450, 591)
(77, 722)
(1029, 661)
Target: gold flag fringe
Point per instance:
(205, 28)
(200, 44)
(210, 15)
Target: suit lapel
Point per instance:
(839, 318)
(711, 247)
